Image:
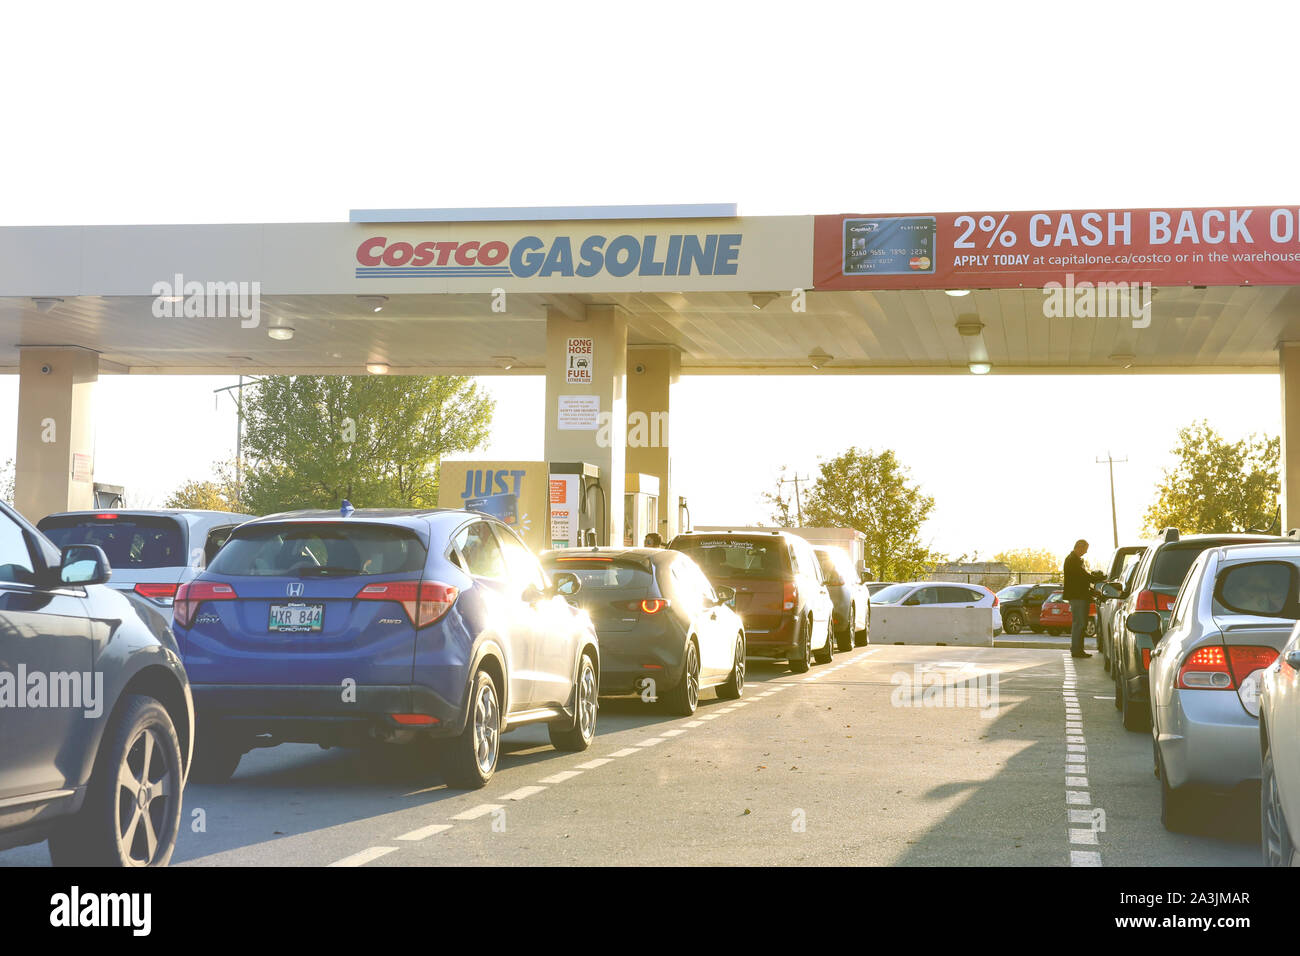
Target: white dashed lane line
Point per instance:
(1082, 817)
(482, 810)
(522, 793)
(365, 856)
(425, 832)
(562, 776)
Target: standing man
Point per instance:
(1078, 591)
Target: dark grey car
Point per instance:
(96, 719)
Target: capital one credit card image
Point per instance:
(896, 246)
(503, 507)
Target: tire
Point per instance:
(1279, 849)
(1116, 673)
(1136, 714)
(216, 757)
(827, 653)
(1177, 812)
(1013, 622)
(575, 736)
(863, 637)
(685, 697)
(1091, 629)
(734, 688)
(845, 644)
(141, 746)
(470, 758)
(803, 662)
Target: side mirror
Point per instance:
(566, 583)
(84, 564)
(1110, 590)
(726, 595)
(1293, 659)
(913, 601)
(1144, 622)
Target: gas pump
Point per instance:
(579, 505)
(640, 508)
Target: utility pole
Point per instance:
(239, 427)
(1110, 463)
(798, 504)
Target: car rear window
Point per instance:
(730, 557)
(603, 575)
(1056, 597)
(129, 541)
(1171, 564)
(1014, 592)
(1263, 588)
(309, 549)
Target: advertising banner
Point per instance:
(513, 491)
(564, 503)
(1242, 245)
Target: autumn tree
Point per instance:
(1216, 485)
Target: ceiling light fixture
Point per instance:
(980, 368)
(819, 358)
(373, 302)
(281, 333)
(1124, 358)
(760, 299)
(44, 303)
(505, 361)
(969, 325)
(956, 293)
(377, 368)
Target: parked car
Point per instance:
(151, 552)
(1234, 613)
(874, 586)
(850, 599)
(940, 594)
(437, 628)
(1154, 587)
(1021, 606)
(658, 618)
(1106, 608)
(1279, 736)
(780, 594)
(101, 775)
(1057, 618)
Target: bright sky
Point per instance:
(250, 112)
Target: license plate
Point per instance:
(1056, 610)
(296, 618)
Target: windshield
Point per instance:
(729, 557)
(128, 541)
(1013, 592)
(892, 594)
(324, 549)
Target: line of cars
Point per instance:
(1201, 634)
(214, 634)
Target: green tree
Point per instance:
(376, 440)
(873, 493)
(220, 493)
(1038, 560)
(1217, 485)
(7, 476)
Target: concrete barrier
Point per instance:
(964, 626)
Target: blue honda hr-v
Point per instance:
(435, 627)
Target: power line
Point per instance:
(798, 504)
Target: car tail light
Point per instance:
(789, 596)
(1248, 665)
(414, 720)
(162, 593)
(189, 596)
(1146, 658)
(653, 605)
(424, 602)
(995, 600)
(1206, 668)
(1146, 601)
(106, 517)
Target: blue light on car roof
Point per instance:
(346, 509)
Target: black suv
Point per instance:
(96, 719)
(780, 592)
(1021, 605)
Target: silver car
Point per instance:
(152, 552)
(1234, 613)
(1279, 734)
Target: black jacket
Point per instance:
(1078, 580)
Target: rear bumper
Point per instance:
(1208, 738)
(624, 664)
(312, 713)
(777, 644)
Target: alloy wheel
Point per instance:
(587, 701)
(487, 728)
(147, 786)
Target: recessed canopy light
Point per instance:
(373, 302)
(818, 358)
(1124, 358)
(44, 303)
(377, 368)
(956, 293)
(760, 299)
(969, 325)
(505, 361)
(980, 368)
(281, 333)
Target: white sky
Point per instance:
(247, 112)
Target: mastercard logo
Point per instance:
(919, 263)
